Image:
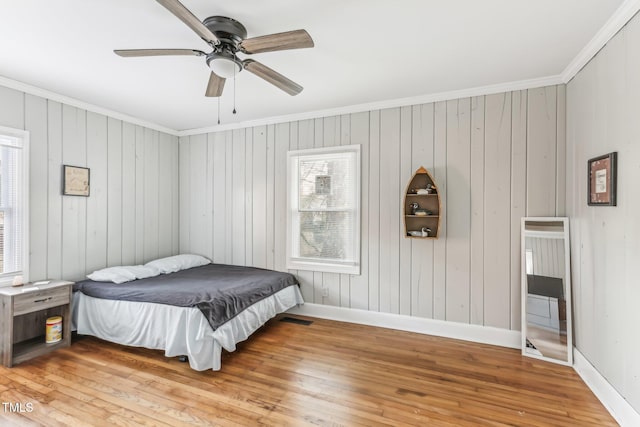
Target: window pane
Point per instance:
(11, 199)
(325, 235)
(326, 182)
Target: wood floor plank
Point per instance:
(327, 374)
(16, 420)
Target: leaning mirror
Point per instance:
(546, 290)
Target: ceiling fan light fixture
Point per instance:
(226, 37)
(224, 65)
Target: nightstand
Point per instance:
(25, 310)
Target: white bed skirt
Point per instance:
(176, 330)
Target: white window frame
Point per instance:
(20, 140)
(315, 264)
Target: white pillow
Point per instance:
(178, 262)
(122, 274)
(142, 271)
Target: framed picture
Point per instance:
(602, 180)
(75, 181)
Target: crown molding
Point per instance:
(33, 90)
(392, 103)
(350, 109)
(619, 19)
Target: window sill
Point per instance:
(324, 267)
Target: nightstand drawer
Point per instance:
(40, 300)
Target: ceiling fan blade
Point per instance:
(281, 41)
(126, 53)
(215, 86)
(273, 77)
(185, 15)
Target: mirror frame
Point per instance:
(567, 289)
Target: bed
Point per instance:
(196, 311)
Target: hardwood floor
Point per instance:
(328, 374)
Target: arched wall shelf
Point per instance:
(422, 207)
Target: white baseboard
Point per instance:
(461, 331)
(617, 406)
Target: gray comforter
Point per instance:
(220, 291)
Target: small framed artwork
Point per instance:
(602, 180)
(75, 181)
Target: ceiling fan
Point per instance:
(228, 37)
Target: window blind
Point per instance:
(12, 206)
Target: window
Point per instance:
(14, 163)
(323, 221)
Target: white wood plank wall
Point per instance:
(490, 156)
(602, 116)
(132, 213)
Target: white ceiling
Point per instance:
(365, 51)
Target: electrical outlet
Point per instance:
(325, 292)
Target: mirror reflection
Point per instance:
(546, 288)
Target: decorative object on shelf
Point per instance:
(424, 232)
(422, 206)
(76, 181)
(429, 190)
(602, 181)
(422, 212)
(53, 332)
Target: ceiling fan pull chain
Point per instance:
(218, 110)
(235, 71)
